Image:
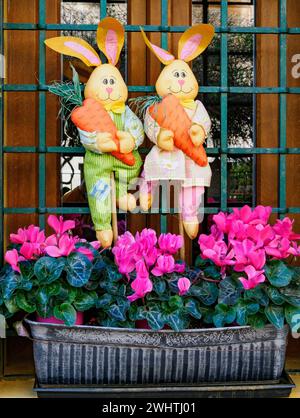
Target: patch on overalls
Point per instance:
(100, 190)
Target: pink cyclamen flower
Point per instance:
(165, 265)
(31, 234)
(284, 228)
(279, 248)
(170, 243)
(59, 225)
(124, 259)
(217, 251)
(254, 278)
(30, 251)
(183, 285)
(222, 222)
(246, 254)
(142, 284)
(65, 246)
(145, 246)
(12, 258)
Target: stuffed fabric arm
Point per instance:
(152, 128)
(89, 140)
(201, 117)
(134, 126)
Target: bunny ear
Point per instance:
(75, 47)
(194, 41)
(164, 56)
(110, 39)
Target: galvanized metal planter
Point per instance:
(84, 355)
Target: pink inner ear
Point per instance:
(111, 46)
(162, 53)
(190, 46)
(92, 58)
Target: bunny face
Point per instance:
(178, 79)
(106, 85)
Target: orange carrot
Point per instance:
(170, 114)
(91, 117)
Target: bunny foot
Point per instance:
(127, 203)
(146, 201)
(191, 228)
(105, 238)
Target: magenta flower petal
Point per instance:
(183, 285)
(53, 251)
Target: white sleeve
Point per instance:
(152, 128)
(89, 140)
(201, 117)
(134, 126)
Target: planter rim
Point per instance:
(143, 331)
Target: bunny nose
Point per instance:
(181, 82)
(109, 90)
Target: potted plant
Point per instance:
(160, 321)
(53, 277)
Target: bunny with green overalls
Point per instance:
(104, 153)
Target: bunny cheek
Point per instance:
(106, 85)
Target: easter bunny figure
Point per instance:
(110, 132)
(178, 126)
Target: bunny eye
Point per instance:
(105, 81)
(176, 74)
(183, 74)
(111, 81)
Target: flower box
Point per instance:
(90, 355)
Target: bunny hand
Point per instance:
(127, 142)
(165, 140)
(197, 134)
(105, 143)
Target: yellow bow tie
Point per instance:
(118, 107)
(189, 104)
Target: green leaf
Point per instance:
(27, 269)
(291, 295)
(257, 321)
(53, 289)
(193, 307)
(155, 319)
(42, 303)
(201, 262)
(175, 302)
(159, 286)
(257, 294)
(177, 320)
(85, 301)
(223, 315)
(116, 312)
(23, 303)
(292, 316)
(229, 291)
(275, 315)
(137, 313)
(9, 283)
(104, 301)
(207, 292)
(278, 273)
(66, 313)
(275, 295)
(244, 309)
(207, 314)
(212, 272)
(48, 269)
(78, 268)
(11, 305)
